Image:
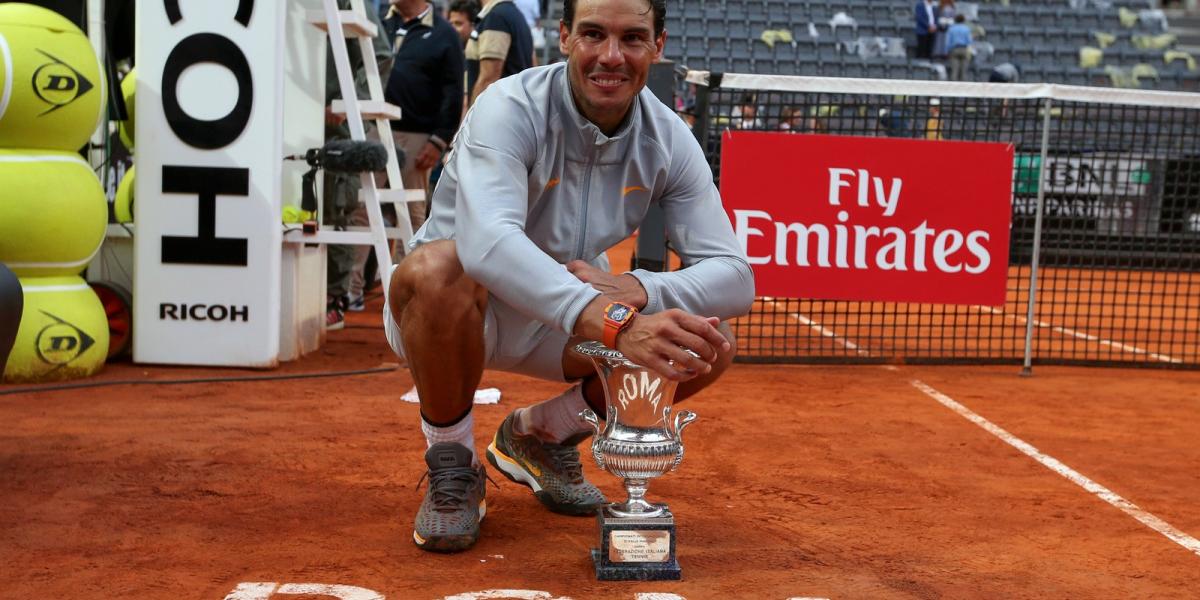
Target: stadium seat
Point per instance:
(1042, 37)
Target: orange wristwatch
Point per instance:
(617, 316)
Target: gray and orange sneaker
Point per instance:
(552, 471)
(448, 520)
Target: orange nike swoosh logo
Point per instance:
(550, 184)
(632, 188)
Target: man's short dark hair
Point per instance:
(658, 6)
(466, 7)
(960, 18)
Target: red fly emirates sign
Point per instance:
(873, 219)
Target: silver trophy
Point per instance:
(640, 440)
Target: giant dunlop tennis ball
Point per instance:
(128, 126)
(51, 88)
(123, 202)
(63, 332)
(52, 213)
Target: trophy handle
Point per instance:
(589, 415)
(683, 418)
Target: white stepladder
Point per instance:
(342, 26)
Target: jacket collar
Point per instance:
(425, 18)
(589, 133)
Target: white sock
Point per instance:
(555, 419)
(462, 432)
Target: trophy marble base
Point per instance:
(636, 549)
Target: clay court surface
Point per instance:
(799, 482)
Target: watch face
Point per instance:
(618, 313)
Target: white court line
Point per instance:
(1083, 336)
(825, 332)
(1105, 494)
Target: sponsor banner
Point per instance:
(1090, 175)
(871, 219)
(209, 153)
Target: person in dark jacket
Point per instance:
(427, 84)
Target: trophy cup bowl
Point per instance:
(639, 440)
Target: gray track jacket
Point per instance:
(530, 185)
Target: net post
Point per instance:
(1027, 369)
(701, 128)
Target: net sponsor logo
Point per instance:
(870, 219)
(1085, 208)
(1105, 176)
(843, 245)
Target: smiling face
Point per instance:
(609, 51)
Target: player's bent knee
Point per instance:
(430, 269)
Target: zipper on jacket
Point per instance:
(587, 190)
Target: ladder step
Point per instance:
(360, 237)
(394, 196)
(370, 109)
(354, 25)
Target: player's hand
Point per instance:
(661, 342)
(428, 157)
(622, 288)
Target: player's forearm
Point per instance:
(590, 324)
(721, 287)
(519, 273)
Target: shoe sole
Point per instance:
(518, 474)
(450, 543)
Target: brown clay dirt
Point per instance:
(800, 481)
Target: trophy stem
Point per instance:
(636, 506)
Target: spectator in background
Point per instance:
(925, 16)
(463, 15)
(501, 45)
(745, 114)
(933, 126)
(532, 11)
(958, 44)
(427, 84)
(792, 119)
(344, 281)
(946, 12)
(688, 112)
(1005, 73)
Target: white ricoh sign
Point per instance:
(209, 153)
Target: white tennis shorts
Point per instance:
(513, 342)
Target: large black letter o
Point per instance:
(201, 48)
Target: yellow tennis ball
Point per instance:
(123, 203)
(63, 332)
(51, 84)
(291, 214)
(52, 213)
(128, 87)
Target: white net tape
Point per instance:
(957, 89)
